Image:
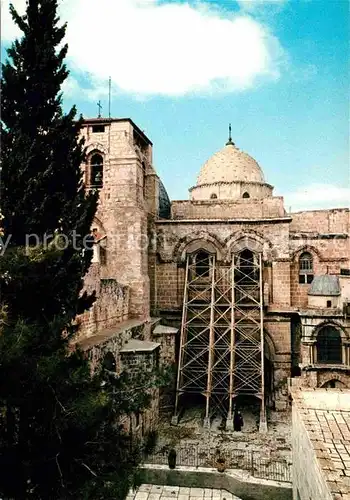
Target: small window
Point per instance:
(329, 303)
(213, 196)
(96, 169)
(306, 279)
(305, 262)
(98, 129)
(246, 195)
(345, 272)
(306, 275)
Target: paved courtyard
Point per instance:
(154, 492)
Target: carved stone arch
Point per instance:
(271, 346)
(247, 240)
(309, 249)
(334, 324)
(198, 241)
(342, 381)
(95, 147)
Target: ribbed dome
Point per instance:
(230, 165)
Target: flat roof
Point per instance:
(325, 414)
(136, 345)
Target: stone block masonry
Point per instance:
(321, 444)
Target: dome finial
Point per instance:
(229, 136)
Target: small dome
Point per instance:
(164, 202)
(230, 165)
(326, 285)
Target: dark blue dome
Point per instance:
(164, 202)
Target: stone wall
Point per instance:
(110, 308)
(329, 255)
(239, 209)
(308, 480)
(111, 342)
(231, 190)
(321, 221)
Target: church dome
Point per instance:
(230, 164)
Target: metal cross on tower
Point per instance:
(99, 105)
(229, 136)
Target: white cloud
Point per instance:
(151, 48)
(9, 30)
(317, 196)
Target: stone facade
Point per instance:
(321, 444)
(142, 243)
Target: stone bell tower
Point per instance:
(119, 164)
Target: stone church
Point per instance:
(237, 293)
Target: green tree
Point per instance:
(58, 432)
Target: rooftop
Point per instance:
(135, 345)
(325, 285)
(102, 120)
(326, 416)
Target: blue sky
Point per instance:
(278, 70)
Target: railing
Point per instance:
(259, 467)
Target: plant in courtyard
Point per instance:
(59, 436)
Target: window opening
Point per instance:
(306, 268)
(329, 346)
(97, 129)
(96, 165)
(202, 264)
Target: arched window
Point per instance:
(213, 196)
(306, 274)
(246, 195)
(247, 270)
(202, 264)
(96, 170)
(329, 346)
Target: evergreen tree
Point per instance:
(58, 437)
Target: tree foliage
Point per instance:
(58, 433)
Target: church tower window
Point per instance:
(213, 196)
(96, 170)
(246, 195)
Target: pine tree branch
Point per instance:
(88, 468)
(59, 470)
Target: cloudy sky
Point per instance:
(182, 70)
